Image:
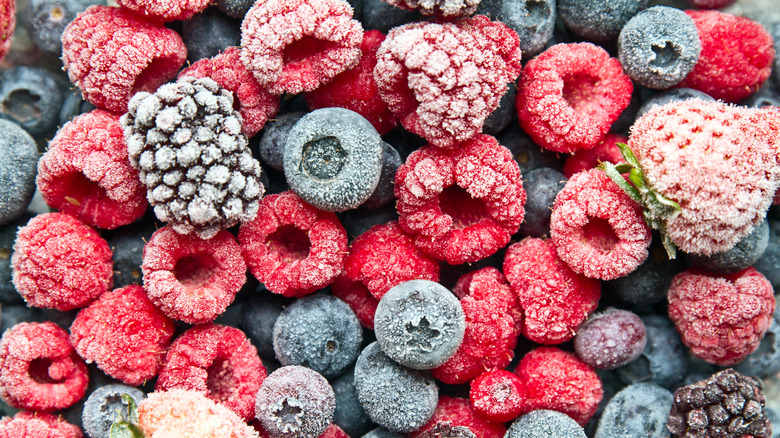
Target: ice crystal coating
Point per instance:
(7, 24)
(165, 10)
(545, 423)
(610, 339)
(37, 424)
(105, 405)
(439, 8)
(639, 409)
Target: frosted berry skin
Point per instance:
(442, 80)
(610, 339)
(457, 414)
(292, 46)
(105, 405)
(598, 21)
(545, 423)
(86, 172)
(292, 247)
(60, 263)
(721, 318)
(555, 300)
(37, 424)
(111, 53)
(7, 26)
(743, 255)
(17, 172)
(169, 10)
(585, 159)
(39, 371)
(533, 21)
(460, 205)
(191, 279)
(637, 409)
(570, 95)
(357, 297)
(498, 396)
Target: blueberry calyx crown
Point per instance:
(126, 427)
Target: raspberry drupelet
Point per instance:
(86, 172)
(292, 247)
(457, 413)
(124, 334)
(111, 53)
(7, 26)
(191, 279)
(39, 371)
(167, 10)
(37, 424)
(60, 263)
(498, 396)
(460, 205)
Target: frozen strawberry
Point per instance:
(7, 25)
(457, 413)
(37, 424)
(498, 396)
(358, 298)
(585, 159)
(165, 10)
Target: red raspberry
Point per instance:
(460, 205)
(292, 247)
(736, 56)
(168, 10)
(7, 25)
(111, 53)
(458, 413)
(569, 96)
(219, 362)
(555, 300)
(357, 297)
(356, 90)
(39, 370)
(86, 172)
(721, 318)
(557, 380)
(710, 4)
(191, 279)
(124, 334)
(292, 46)
(255, 104)
(498, 396)
(60, 263)
(585, 159)
(37, 425)
(442, 80)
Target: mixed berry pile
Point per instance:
(366, 218)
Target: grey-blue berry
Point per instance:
(526, 153)
(765, 361)
(47, 19)
(209, 33)
(545, 424)
(349, 414)
(504, 114)
(741, 256)
(638, 410)
(382, 16)
(533, 20)
(598, 20)
(649, 283)
(383, 193)
(18, 166)
(769, 263)
(31, 97)
(274, 138)
(257, 319)
(542, 186)
(381, 433)
(104, 405)
(663, 361)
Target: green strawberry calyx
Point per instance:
(126, 427)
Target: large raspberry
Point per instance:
(167, 10)
(458, 414)
(37, 425)
(7, 25)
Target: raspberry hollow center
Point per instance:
(195, 270)
(289, 242)
(464, 210)
(304, 49)
(581, 92)
(324, 158)
(39, 370)
(598, 233)
(155, 74)
(220, 381)
(79, 190)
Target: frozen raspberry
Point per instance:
(7, 25)
(356, 90)
(255, 104)
(39, 371)
(570, 95)
(721, 318)
(447, 9)
(498, 396)
(111, 53)
(555, 300)
(37, 425)
(60, 263)
(736, 56)
(292, 46)
(598, 230)
(217, 361)
(584, 159)
(291, 247)
(358, 298)
(461, 205)
(165, 10)
(191, 279)
(557, 380)
(442, 80)
(458, 414)
(182, 413)
(610, 339)
(86, 172)
(124, 334)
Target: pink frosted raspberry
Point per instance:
(39, 371)
(555, 300)
(461, 205)
(721, 318)
(498, 396)
(37, 425)
(111, 53)
(86, 172)
(60, 263)
(292, 46)
(457, 413)
(191, 279)
(442, 80)
(165, 10)
(598, 230)
(124, 334)
(292, 247)
(585, 159)
(7, 26)
(358, 298)
(255, 104)
(217, 361)
(570, 95)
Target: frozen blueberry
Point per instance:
(528, 154)
(673, 95)
(10, 315)
(257, 320)
(659, 46)
(743, 255)
(542, 186)
(274, 138)
(628, 116)
(766, 96)
(774, 414)
(320, 332)
(395, 397)
(381, 433)
(127, 244)
(104, 406)
(765, 361)
(545, 424)
(504, 114)
(419, 324)
(357, 221)
(638, 410)
(383, 193)
(598, 20)
(533, 20)
(31, 97)
(349, 414)
(235, 8)
(8, 293)
(333, 159)
(18, 165)
(72, 106)
(648, 283)
(610, 339)
(776, 68)
(664, 359)
(769, 263)
(382, 16)
(46, 19)
(209, 33)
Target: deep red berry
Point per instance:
(7, 25)
(167, 10)
(60, 263)
(37, 425)
(610, 339)
(710, 4)
(292, 247)
(498, 396)
(39, 370)
(585, 159)
(124, 334)
(191, 279)
(569, 96)
(458, 413)
(358, 298)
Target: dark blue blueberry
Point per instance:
(274, 138)
(349, 414)
(320, 332)
(648, 283)
(627, 117)
(235, 8)
(382, 16)
(74, 414)
(104, 406)
(127, 244)
(533, 20)
(638, 410)
(357, 221)
(528, 154)
(765, 361)
(257, 320)
(383, 193)
(72, 106)
(545, 424)
(743, 255)
(209, 33)
(404, 141)
(381, 433)
(47, 19)
(10, 315)
(659, 46)
(776, 73)
(766, 96)
(769, 263)
(611, 385)
(664, 359)
(8, 293)
(504, 114)
(18, 165)
(673, 95)
(598, 20)
(31, 97)
(541, 186)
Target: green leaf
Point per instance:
(131, 407)
(637, 178)
(621, 182)
(623, 167)
(123, 429)
(671, 250)
(628, 154)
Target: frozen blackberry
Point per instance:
(598, 20)
(319, 332)
(209, 33)
(541, 185)
(257, 319)
(383, 194)
(186, 140)
(419, 324)
(127, 246)
(17, 171)
(235, 8)
(673, 95)
(766, 96)
(397, 398)
(765, 361)
(728, 405)
(659, 46)
(610, 339)
(545, 424)
(31, 97)
(637, 410)
(382, 16)
(743, 255)
(271, 146)
(349, 414)
(105, 405)
(8, 293)
(528, 154)
(533, 20)
(46, 19)
(664, 359)
(769, 263)
(333, 159)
